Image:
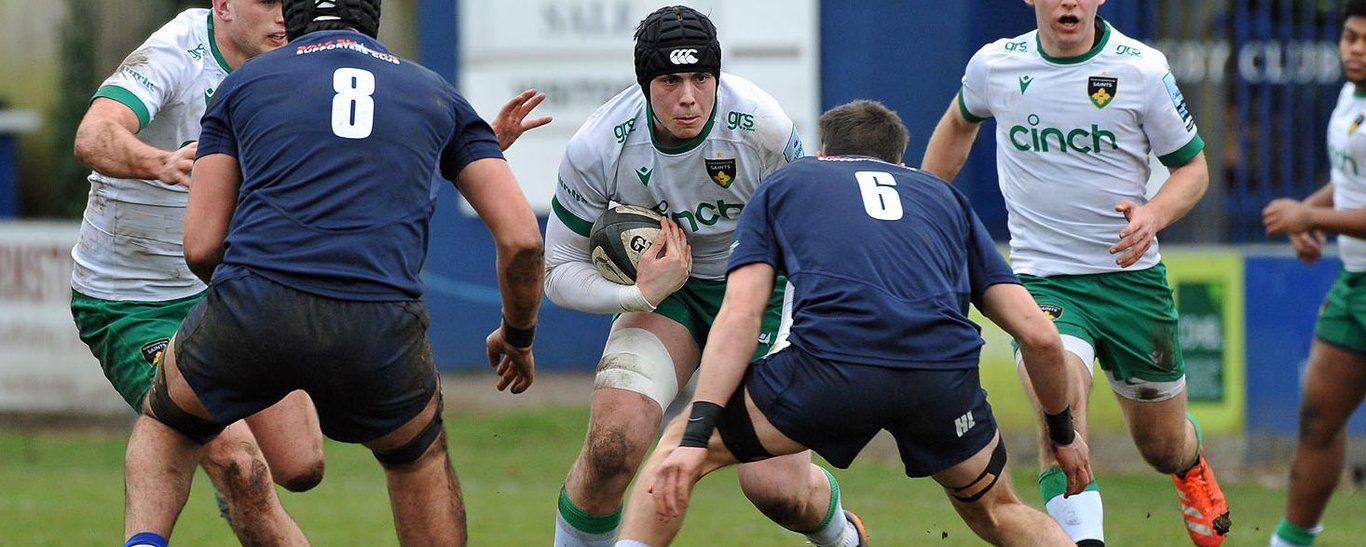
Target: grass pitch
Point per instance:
(66, 488)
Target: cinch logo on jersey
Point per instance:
(574, 194)
(1050, 139)
(683, 56)
(705, 214)
(624, 129)
(1341, 160)
(137, 77)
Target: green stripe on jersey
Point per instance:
(213, 46)
(578, 225)
(963, 109)
(128, 99)
(1183, 154)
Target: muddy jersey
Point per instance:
(1073, 137)
(702, 184)
(1347, 154)
(129, 246)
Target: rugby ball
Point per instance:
(618, 238)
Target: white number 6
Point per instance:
(353, 108)
(880, 199)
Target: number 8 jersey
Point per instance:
(1072, 139)
(321, 222)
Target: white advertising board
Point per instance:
(579, 52)
(44, 366)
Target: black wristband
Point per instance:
(518, 338)
(1060, 429)
(700, 424)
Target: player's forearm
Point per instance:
(109, 149)
(1011, 307)
(726, 356)
(1348, 222)
(521, 271)
(1323, 197)
(1183, 189)
(572, 282)
(949, 144)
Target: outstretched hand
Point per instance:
(674, 481)
(515, 366)
(511, 120)
(1137, 236)
(1075, 461)
(1285, 216)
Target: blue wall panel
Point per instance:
(1283, 297)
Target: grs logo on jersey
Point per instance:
(1036, 139)
(1021, 46)
(683, 56)
(721, 171)
(740, 120)
(1179, 101)
(1102, 90)
(624, 129)
(706, 214)
(197, 53)
(1128, 50)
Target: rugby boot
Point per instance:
(857, 523)
(1202, 504)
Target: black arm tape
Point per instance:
(414, 449)
(984, 482)
(1060, 428)
(700, 424)
(518, 338)
(165, 410)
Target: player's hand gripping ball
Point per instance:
(619, 237)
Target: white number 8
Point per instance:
(353, 108)
(880, 199)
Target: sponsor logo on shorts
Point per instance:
(153, 350)
(964, 423)
(1053, 311)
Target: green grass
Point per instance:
(64, 488)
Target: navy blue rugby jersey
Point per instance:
(339, 142)
(884, 261)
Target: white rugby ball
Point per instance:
(619, 237)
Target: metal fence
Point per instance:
(1262, 77)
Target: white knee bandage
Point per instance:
(635, 360)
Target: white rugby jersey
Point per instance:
(1347, 154)
(131, 234)
(1072, 139)
(702, 184)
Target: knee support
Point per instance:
(410, 451)
(984, 482)
(635, 360)
(164, 410)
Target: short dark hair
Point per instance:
(864, 128)
(1350, 8)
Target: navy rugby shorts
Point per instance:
(938, 417)
(367, 365)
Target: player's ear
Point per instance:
(223, 9)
